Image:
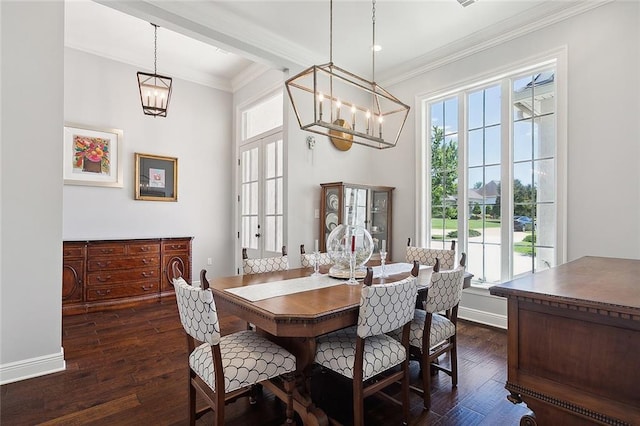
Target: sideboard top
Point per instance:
(607, 283)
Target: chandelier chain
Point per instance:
(373, 45)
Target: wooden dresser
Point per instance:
(106, 274)
(574, 342)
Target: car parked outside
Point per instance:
(522, 223)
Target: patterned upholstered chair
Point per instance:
(428, 256)
(224, 368)
(307, 260)
(364, 352)
(434, 328)
(266, 264)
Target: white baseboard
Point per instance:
(483, 317)
(33, 367)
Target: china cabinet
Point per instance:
(364, 205)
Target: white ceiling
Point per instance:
(223, 43)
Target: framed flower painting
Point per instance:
(92, 155)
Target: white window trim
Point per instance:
(556, 57)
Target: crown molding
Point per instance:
(183, 73)
(516, 27)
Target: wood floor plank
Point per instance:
(95, 413)
(129, 367)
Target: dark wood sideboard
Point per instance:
(109, 274)
(574, 342)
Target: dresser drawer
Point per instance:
(110, 249)
(106, 263)
(122, 290)
(71, 250)
(116, 276)
(148, 247)
(177, 245)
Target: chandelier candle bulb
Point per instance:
(338, 106)
(380, 128)
(353, 117)
(320, 101)
(315, 245)
(368, 120)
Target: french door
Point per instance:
(261, 196)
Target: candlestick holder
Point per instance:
(316, 264)
(352, 269)
(383, 263)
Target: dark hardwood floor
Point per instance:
(129, 367)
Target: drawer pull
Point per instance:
(176, 246)
(103, 292)
(147, 288)
(145, 261)
(147, 274)
(102, 280)
(106, 251)
(103, 264)
(144, 248)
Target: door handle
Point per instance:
(258, 235)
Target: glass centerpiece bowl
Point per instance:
(339, 249)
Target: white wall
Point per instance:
(307, 169)
(31, 34)
(197, 130)
(603, 176)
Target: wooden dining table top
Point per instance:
(305, 314)
(309, 313)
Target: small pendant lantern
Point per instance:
(155, 89)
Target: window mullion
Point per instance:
(506, 187)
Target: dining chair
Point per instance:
(225, 368)
(265, 264)
(308, 260)
(364, 352)
(434, 328)
(428, 256)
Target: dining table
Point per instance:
(293, 307)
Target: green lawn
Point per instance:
(473, 224)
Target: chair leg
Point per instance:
(454, 362)
(289, 386)
(358, 403)
(405, 391)
(426, 381)
(192, 403)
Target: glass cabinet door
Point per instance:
(379, 221)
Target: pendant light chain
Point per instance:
(331, 31)
(155, 49)
(373, 46)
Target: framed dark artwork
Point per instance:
(91, 156)
(156, 178)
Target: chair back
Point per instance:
(265, 264)
(198, 313)
(445, 290)
(428, 256)
(386, 307)
(308, 260)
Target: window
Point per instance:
(490, 170)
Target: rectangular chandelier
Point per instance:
(331, 101)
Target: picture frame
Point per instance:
(156, 177)
(92, 156)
